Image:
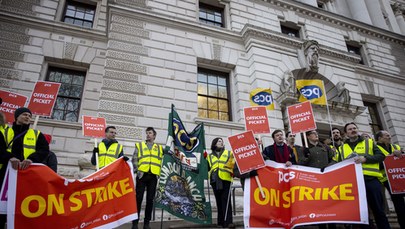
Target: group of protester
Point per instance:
(21, 146)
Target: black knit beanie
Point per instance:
(21, 110)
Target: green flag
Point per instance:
(184, 169)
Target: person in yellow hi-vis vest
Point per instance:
(147, 161)
(221, 163)
(365, 151)
(24, 145)
(384, 144)
(108, 149)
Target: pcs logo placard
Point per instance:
(262, 98)
(311, 92)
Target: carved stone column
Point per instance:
(398, 11)
(359, 11)
(376, 14)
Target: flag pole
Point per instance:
(329, 119)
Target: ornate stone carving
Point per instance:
(10, 74)
(123, 56)
(21, 7)
(10, 55)
(310, 49)
(139, 3)
(5, 83)
(343, 94)
(10, 45)
(125, 108)
(15, 37)
(113, 118)
(217, 50)
(127, 21)
(128, 47)
(7, 63)
(121, 75)
(129, 30)
(398, 8)
(127, 97)
(126, 66)
(124, 86)
(70, 50)
(288, 83)
(130, 132)
(124, 37)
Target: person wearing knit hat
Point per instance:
(20, 111)
(25, 145)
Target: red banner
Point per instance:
(93, 126)
(256, 120)
(40, 198)
(301, 195)
(246, 152)
(301, 117)
(11, 102)
(395, 170)
(43, 98)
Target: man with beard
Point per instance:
(336, 135)
(370, 156)
(108, 150)
(297, 150)
(384, 144)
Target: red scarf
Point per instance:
(281, 158)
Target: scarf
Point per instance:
(281, 158)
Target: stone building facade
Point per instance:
(129, 60)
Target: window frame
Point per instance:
(85, 6)
(376, 115)
(288, 26)
(215, 9)
(356, 48)
(80, 98)
(228, 94)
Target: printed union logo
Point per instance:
(262, 98)
(311, 92)
(312, 215)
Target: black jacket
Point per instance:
(17, 151)
(269, 154)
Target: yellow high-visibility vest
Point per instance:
(149, 160)
(29, 141)
(224, 164)
(107, 156)
(363, 148)
(386, 153)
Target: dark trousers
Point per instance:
(3, 220)
(148, 182)
(375, 201)
(399, 205)
(222, 200)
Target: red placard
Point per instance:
(11, 102)
(395, 170)
(256, 120)
(301, 195)
(93, 126)
(301, 117)
(43, 98)
(246, 152)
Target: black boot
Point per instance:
(135, 224)
(146, 225)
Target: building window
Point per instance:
(80, 14)
(374, 117)
(213, 95)
(67, 104)
(290, 30)
(211, 15)
(355, 49)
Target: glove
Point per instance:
(95, 150)
(126, 158)
(253, 173)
